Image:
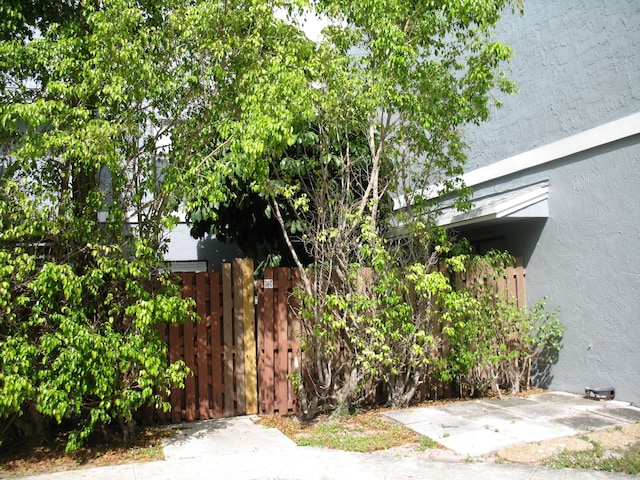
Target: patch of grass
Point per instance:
(428, 444)
(362, 432)
(367, 434)
(623, 460)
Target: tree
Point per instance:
(406, 76)
(86, 200)
(111, 113)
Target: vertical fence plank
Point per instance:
(249, 340)
(294, 337)
(227, 321)
(175, 354)
(281, 341)
(265, 328)
(520, 282)
(238, 333)
(189, 352)
(217, 360)
(202, 350)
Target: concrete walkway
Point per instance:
(239, 449)
(478, 427)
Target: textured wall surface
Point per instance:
(578, 66)
(183, 247)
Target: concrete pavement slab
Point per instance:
(621, 413)
(225, 436)
(585, 422)
(320, 464)
(474, 428)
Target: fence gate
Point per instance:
(221, 350)
(278, 342)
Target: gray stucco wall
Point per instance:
(578, 66)
(586, 259)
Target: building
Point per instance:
(556, 176)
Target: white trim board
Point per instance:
(595, 137)
(592, 138)
(527, 202)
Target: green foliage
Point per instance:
(405, 77)
(490, 340)
(83, 347)
(88, 185)
(622, 460)
(399, 326)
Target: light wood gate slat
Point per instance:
(249, 317)
(238, 335)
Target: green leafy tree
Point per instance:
(113, 113)
(406, 76)
(86, 197)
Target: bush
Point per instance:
(82, 347)
(390, 328)
(491, 342)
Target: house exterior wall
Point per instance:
(182, 247)
(585, 258)
(577, 65)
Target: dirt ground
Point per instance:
(534, 453)
(21, 459)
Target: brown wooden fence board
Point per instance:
(189, 352)
(265, 342)
(174, 355)
(217, 359)
(238, 336)
(281, 341)
(203, 353)
(227, 316)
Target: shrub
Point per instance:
(82, 347)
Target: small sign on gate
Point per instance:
(268, 283)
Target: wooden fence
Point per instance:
(220, 349)
(245, 345)
(278, 341)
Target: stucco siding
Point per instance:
(576, 64)
(587, 261)
(182, 247)
(585, 257)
